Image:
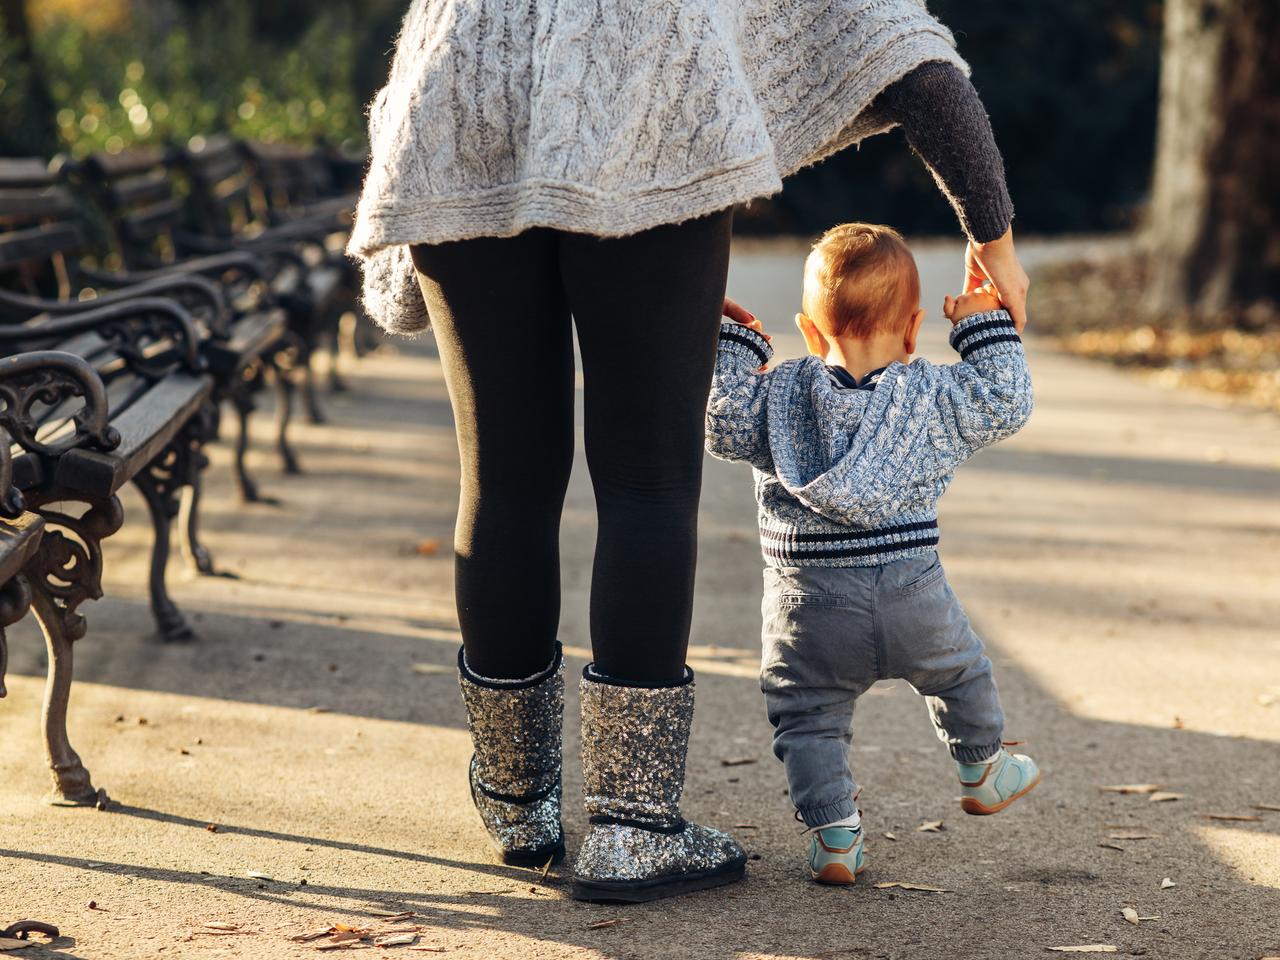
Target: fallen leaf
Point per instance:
(737, 761)
(1163, 796)
(930, 826)
(342, 928)
(1131, 835)
(221, 925)
(1244, 817)
(255, 875)
(313, 935)
(1130, 914)
(431, 949)
(1112, 846)
(752, 826)
(904, 885)
(1085, 948)
(601, 924)
(427, 548)
(433, 668)
(1132, 788)
(1166, 883)
(890, 836)
(1273, 807)
(396, 940)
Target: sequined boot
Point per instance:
(515, 772)
(638, 846)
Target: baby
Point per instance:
(852, 447)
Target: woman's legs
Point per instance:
(502, 325)
(647, 308)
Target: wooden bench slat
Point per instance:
(32, 204)
(151, 187)
(25, 172)
(39, 242)
(145, 429)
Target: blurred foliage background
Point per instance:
(1070, 86)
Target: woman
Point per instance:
(552, 163)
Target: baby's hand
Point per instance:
(981, 300)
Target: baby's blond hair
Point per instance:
(860, 279)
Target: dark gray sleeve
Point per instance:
(945, 123)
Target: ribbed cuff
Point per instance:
(983, 334)
(983, 223)
(744, 342)
(828, 813)
(963, 754)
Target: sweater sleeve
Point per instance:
(987, 395)
(737, 427)
(945, 123)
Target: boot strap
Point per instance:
(519, 800)
(676, 826)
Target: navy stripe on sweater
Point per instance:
(747, 340)
(883, 543)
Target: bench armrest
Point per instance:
(130, 326)
(50, 377)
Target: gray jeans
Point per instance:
(831, 632)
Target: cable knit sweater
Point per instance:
(852, 477)
(609, 118)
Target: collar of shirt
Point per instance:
(843, 378)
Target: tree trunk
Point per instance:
(1214, 232)
(36, 120)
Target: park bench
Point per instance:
(44, 232)
(231, 211)
(123, 400)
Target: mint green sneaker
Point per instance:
(836, 855)
(988, 788)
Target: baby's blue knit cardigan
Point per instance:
(852, 477)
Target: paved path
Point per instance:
(1122, 557)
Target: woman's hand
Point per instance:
(996, 261)
(740, 314)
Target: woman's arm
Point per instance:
(945, 123)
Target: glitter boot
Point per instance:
(515, 772)
(638, 846)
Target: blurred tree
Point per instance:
(28, 105)
(1214, 233)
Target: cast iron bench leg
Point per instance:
(160, 483)
(66, 571)
(284, 387)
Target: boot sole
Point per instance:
(658, 888)
(976, 808)
(532, 858)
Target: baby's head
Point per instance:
(861, 284)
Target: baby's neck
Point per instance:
(862, 355)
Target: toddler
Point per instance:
(852, 447)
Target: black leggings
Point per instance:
(647, 309)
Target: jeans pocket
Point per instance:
(921, 580)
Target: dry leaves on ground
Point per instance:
(1132, 788)
(1131, 916)
(904, 885)
(1272, 807)
(1241, 817)
(1166, 883)
(1131, 835)
(1085, 948)
(930, 826)
(219, 928)
(1164, 796)
(737, 761)
(341, 936)
(890, 836)
(1112, 846)
(602, 924)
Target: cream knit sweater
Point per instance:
(611, 116)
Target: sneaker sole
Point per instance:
(837, 874)
(658, 888)
(976, 808)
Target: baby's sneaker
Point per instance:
(988, 788)
(836, 855)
